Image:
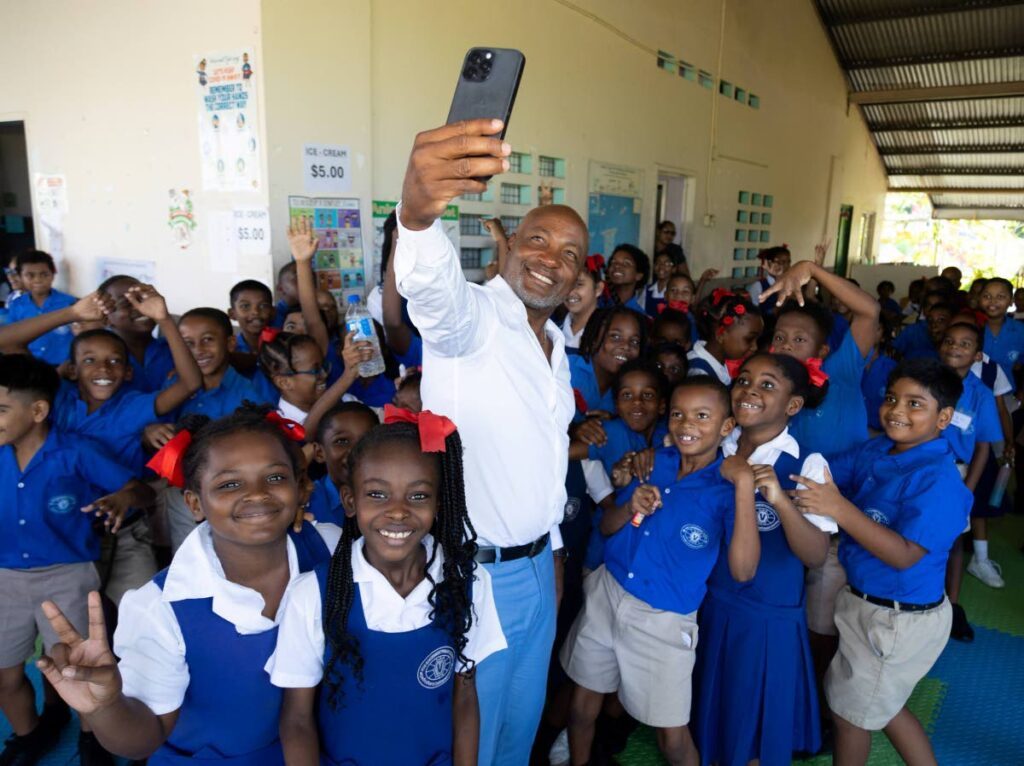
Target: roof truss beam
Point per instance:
(941, 93)
(895, 151)
(937, 57)
(926, 9)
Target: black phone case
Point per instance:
(491, 94)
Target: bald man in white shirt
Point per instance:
(495, 364)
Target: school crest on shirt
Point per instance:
(62, 503)
(436, 668)
(1012, 355)
(877, 516)
(572, 509)
(767, 518)
(694, 537)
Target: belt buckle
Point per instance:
(896, 605)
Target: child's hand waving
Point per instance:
(790, 283)
(113, 506)
(82, 670)
(301, 239)
(93, 307)
(147, 301)
(646, 500)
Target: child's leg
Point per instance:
(955, 570)
(852, 744)
(910, 740)
(18, 699)
(583, 711)
(677, 746)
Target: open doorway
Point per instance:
(16, 231)
(671, 206)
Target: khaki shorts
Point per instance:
(823, 585)
(882, 656)
(22, 592)
(619, 643)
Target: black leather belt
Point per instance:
(497, 555)
(899, 606)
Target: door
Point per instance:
(843, 239)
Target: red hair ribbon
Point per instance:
(267, 334)
(167, 462)
(594, 263)
(719, 294)
(980, 318)
(581, 401)
(682, 306)
(817, 376)
(289, 428)
(433, 428)
(734, 365)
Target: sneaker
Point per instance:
(961, 630)
(27, 750)
(559, 753)
(91, 752)
(988, 571)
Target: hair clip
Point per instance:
(294, 431)
(815, 374)
(682, 306)
(594, 263)
(719, 294)
(733, 366)
(168, 461)
(433, 428)
(267, 334)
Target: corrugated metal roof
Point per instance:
(963, 140)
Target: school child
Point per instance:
(407, 392)
(730, 326)
(637, 634)
(774, 263)
(337, 432)
(287, 294)
(654, 293)
(673, 325)
(581, 303)
(192, 642)
(150, 358)
(395, 624)
(625, 276)
(900, 504)
(911, 303)
(613, 337)
(16, 289)
(252, 306)
(756, 698)
(295, 365)
(886, 303)
(1004, 340)
(36, 271)
(915, 341)
(876, 374)
(53, 484)
(972, 431)
(682, 290)
(670, 359)
(90, 311)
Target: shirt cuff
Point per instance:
(556, 538)
(429, 248)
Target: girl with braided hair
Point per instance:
(394, 625)
(730, 326)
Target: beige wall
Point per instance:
(112, 112)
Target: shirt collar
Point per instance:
(700, 350)
(887, 465)
(196, 572)
(764, 454)
(513, 308)
(290, 411)
(364, 572)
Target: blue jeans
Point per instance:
(512, 684)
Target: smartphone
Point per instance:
(487, 86)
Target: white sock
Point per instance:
(981, 550)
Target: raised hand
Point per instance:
(301, 240)
(93, 307)
(147, 301)
(820, 251)
(790, 283)
(447, 162)
(83, 671)
(496, 229)
(708, 274)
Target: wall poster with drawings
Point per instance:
(339, 262)
(616, 200)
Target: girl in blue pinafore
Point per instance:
(755, 696)
(392, 627)
(190, 686)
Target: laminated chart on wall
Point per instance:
(229, 140)
(339, 262)
(383, 208)
(615, 204)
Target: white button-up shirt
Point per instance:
(484, 368)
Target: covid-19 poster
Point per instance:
(228, 121)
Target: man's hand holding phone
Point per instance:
(447, 162)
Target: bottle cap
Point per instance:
(353, 299)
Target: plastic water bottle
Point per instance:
(358, 320)
(999, 489)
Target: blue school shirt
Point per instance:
(914, 342)
(414, 356)
(231, 710)
(840, 328)
(264, 386)
(583, 379)
(665, 562)
(325, 502)
(53, 347)
(117, 424)
(280, 313)
(873, 384)
(622, 439)
(407, 677)
(242, 345)
(157, 365)
(1006, 348)
(841, 421)
(41, 522)
(607, 303)
(652, 299)
(225, 398)
(974, 420)
(920, 495)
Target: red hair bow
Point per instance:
(719, 294)
(733, 366)
(594, 263)
(167, 462)
(817, 376)
(433, 428)
(682, 306)
(581, 401)
(267, 334)
(289, 428)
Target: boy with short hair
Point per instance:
(49, 483)
(252, 307)
(150, 358)
(337, 432)
(36, 271)
(907, 505)
(915, 340)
